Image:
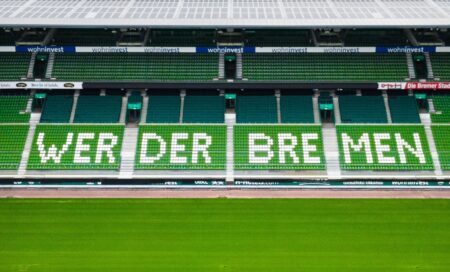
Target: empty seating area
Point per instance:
(12, 109)
(84, 37)
(256, 109)
(296, 109)
(57, 109)
(204, 109)
(14, 66)
(12, 143)
(362, 109)
(375, 37)
(186, 37)
(281, 37)
(325, 67)
(98, 109)
(441, 65)
(404, 109)
(160, 67)
(163, 109)
(8, 38)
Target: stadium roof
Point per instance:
(225, 13)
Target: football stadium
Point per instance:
(224, 98)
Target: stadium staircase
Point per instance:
(144, 109)
(182, 98)
(34, 120)
(331, 149)
(239, 73)
(429, 66)
(74, 106)
(337, 112)
(230, 120)
(123, 110)
(316, 109)
(31, 66)
(50, 64)
(386, 105)
(426, 122)
(221, 65)
(410, 63)
(128, 153)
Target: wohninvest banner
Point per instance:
(181, 147)
(278, 147)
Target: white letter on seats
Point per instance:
(203, 148)
(53, 152)
(102, 147)
(266, 148)
(363, 142)
(402, 144)
(283, 147)
(307, 148)
(175, 148)
(381, 148)
(82, 147)
(144, 145)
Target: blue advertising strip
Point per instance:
(45, 49)
(406, 49)
(231, 49)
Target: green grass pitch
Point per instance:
(224, 235)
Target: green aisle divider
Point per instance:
(12, 143)
(181, 147)
(383, 147)
(278, 147)
(76, 147)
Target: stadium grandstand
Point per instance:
(225, 92)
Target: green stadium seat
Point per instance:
(12, 143)
(98, 109)
(66, 139)
(157, 66)
(256, 109)
(163, 109)
(204, 109)
(404, 109)
(440, 63)
(57, 109)
(12, 109)
(320, 67)
(362, 109)
(442, 109)
(260, 160)
(387, 157)
(213, 159)
(296, 109)
(14, 66)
